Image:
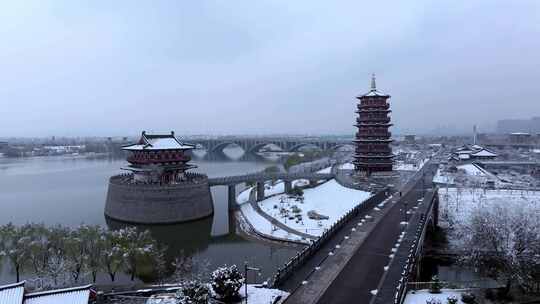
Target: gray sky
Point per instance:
(262, 67)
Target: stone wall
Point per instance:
(156, 204)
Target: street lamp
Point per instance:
(405, 209)
(246, 269)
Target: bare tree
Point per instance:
(112, 256)
(93, 238)
(14, 245)
(504, 242)
(136, 247)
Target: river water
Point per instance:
(71, 191)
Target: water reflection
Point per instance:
(194, 240)
(190, 238)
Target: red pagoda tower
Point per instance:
(159, 159)
(372, 141)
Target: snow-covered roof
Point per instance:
(12, 294)
(473, 169)
(158, 142)
(484, 153)
(76, 295)
(373, 91)
(464, 156)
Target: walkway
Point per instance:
(275, 222)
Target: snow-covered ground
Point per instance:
(402, 166)
(422, 296)
(325, 170)
(243, 197)
(329, 199)
(262, 295)
(457, 204)
(278, 187)
(347, 166)
(474, 170)
(467, 173)
(265, 227)
(442, 177)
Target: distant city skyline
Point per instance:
(101, 68)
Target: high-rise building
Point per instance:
(506, 126)
(373, 152)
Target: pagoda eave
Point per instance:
(373, 111)
(362, 140)
(363, 124)
(372, 156)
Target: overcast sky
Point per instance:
(70, 68)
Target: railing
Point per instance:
(383, 119)
(284, 272)
(375, 155)
(268, 176)
(453, 284)
(375, 139)
(384, 134)
(374, 105)
(152, 160)
(373, 109)
(126, 179)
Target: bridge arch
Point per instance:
(219, 147)
(337, 146)
(258, 146)
(307, 144)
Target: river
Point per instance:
(72, 191)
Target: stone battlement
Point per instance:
(158, 204)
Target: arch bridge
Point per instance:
(261, 178)
(252, 145)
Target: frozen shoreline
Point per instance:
(328, 201)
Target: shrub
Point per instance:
(193, 292)
(468, 298)
(436, 286)
(296, 192)
(489, 294)
(226, 282)
(503, 294)
(452, 300)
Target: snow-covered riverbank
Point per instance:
(422, 296)
(329, 200)
(319, 209)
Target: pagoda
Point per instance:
(159, 189)
(159, 159)
(372, 141)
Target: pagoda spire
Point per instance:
(373, 84)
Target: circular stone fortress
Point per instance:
(158, 189)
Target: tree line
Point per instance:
(63, 256)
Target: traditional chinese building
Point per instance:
(159, 189)
(159, 159)
(372, 141)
